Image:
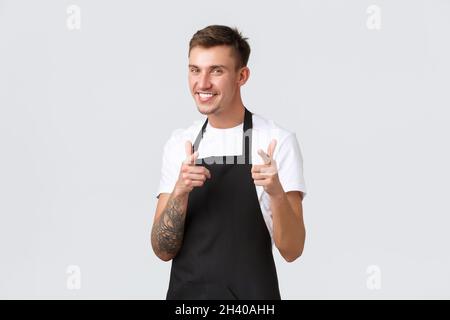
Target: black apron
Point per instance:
(227, 249)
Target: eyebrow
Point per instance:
(210, 67)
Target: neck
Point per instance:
(229, 118)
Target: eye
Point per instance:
(217, 71)
(194, 70)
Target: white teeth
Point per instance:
(205, 95)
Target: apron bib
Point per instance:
(227, 250)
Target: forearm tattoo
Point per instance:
(167, 234)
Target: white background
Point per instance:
(84, 115)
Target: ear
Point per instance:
(244, 74)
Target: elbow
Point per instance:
(292, 252)
(290, 259)
(292, 256)
(164, 256)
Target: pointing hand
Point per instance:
(266, 175)
(190, 176)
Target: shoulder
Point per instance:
(181, 135)
(174, 146)
(264, 130)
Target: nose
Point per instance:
(204, 81)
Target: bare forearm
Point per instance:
(288, 227)
(168, 230)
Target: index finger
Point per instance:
(188, 148)
(271, 148)
(191, 159)
(264, 156)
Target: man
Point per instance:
(223, 201)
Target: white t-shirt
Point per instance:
(228, 142)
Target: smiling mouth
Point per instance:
(205, 96)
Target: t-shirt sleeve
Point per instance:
(170, 167)
(290, 165)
